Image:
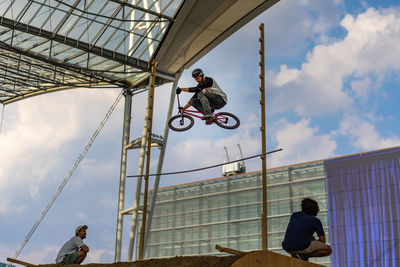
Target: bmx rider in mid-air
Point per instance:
(207, 97)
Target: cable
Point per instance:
(71, 171)
(208, 167)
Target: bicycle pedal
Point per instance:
(210, 121)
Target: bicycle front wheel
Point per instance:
(227, 120)
(180, 122)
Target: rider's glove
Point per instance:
(178, 90)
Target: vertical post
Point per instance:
(264, 234)
(122, 179)
(136, 203)
(146, 177)
(160, 161)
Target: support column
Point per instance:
(264, 234)
(160, 161)
(148, 152)
(121, 200)
(136, 203)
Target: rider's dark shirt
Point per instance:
(299, 231)
(208, 82)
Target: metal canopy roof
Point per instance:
(49, 45)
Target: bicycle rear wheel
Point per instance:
(180, 123)
(227, 120)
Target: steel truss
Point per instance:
(48, 45)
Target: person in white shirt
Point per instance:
(74, 251)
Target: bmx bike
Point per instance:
(184, 120)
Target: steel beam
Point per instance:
(122, 179)
(136, 203)
(148, 153)
(99, 51)
(143, 9)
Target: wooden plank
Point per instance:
(229, 250)
(20, 262)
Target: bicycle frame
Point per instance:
(194, 113)
(184, 119)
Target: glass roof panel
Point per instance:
(169, 7)
(42, 49)
(5, 37)
(134, 78)
(61, 43)
(96, 61)
(16, 9)
(25, 41)
(63, 52)
(110, 39)
(80, 61)
(38, 15)
(4, 5)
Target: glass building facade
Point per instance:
(190, 219)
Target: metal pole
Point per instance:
(264, 234)
(226, 153)
(146, 177)
(160, 161)
(136, 203)
(122, 178)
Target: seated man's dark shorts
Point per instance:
(70, 258)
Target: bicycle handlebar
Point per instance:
(179, 104)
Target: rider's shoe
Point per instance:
(207, 117)
(210, 121)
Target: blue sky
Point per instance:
(332, 78)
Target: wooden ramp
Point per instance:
(257, 258)
(264, 258)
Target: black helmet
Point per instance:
(197, 73)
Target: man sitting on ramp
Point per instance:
(299, 240)
(74, 251)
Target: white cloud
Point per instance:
(362, 88)
(41, 255)
(33, 140)
(364, 135)
(81, 216)
(300, 143)
(98, 255)
(108, 202)
(96, 169)
(5, 252)
(34, 191)
(370, 47)
(286, 75)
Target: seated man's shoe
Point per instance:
(302, 257)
